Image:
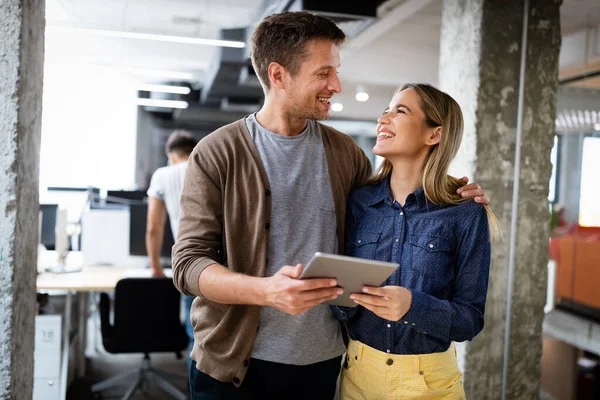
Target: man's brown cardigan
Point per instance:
(224, 218)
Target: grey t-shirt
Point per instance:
(303, 221)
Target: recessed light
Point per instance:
(337, 107)
(361, 93)
(362, 96)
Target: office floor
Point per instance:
(105, 366)
(102, 365)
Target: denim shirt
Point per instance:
(444, 258)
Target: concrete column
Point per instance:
(480, 66)
(21, 71)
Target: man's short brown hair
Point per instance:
(180, 142)
(282, 38)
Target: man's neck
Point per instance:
(179, 159)
(277, 120)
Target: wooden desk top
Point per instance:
(90, 279)
(87, 280)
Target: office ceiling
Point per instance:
(576, 15)
(403, 45)
(204, 19)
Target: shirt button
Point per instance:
(397, 240)
(431, 245)
(358, 241)
(389, 326)
(405, 322)
(389, 361)
(388, 350)
(401, 213)
(236, 380)
(413, 324)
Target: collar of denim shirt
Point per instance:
(383, 193)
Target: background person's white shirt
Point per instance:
(166, 184)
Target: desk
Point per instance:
(82, 284)
(89, 279)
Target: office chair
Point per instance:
(146, 320)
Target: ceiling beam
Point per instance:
(399, 14)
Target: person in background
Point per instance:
(402, 333)
(163, 200)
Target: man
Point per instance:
(163, 199)
(261, 195)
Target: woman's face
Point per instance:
(401, 130)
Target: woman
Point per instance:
(402, 334)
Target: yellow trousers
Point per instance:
(372, 374)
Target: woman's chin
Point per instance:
(379, 151)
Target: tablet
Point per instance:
(351, 273)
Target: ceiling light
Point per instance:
(158, 73)
(361, 93)
(337, 107)
(161, 103)
(597, 127)
(150, 73)
(160, 38)
(165, 89)
(362, 96)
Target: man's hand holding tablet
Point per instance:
(351, 273)
(286, 292)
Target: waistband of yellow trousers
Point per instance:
(408, 362)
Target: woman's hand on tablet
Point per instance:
(388, 302)
(285, 292)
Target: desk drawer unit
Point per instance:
(46, 371)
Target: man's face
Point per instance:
(309, 92)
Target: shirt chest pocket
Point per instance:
(364, 244)
(432, 260)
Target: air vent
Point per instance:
(351, 16)
(577, 120)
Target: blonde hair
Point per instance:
(440, 109)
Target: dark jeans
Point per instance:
(267, 380)
(189, 329)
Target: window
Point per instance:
(553, 178)
(589, 202)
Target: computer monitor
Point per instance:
(73, 199)
(137, 232)
(49, 217)
(125, 196)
